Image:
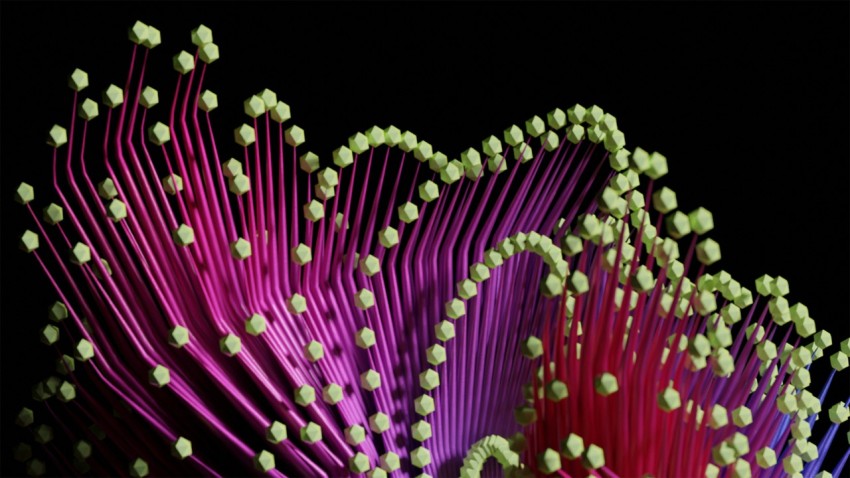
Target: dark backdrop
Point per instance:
(748, 101)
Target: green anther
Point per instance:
(718, 417)
(595, 134)
(301, 254)
(701, 220)
(379, 422)
(705, 303)
(276, 432)
(640, 161)
(577, 283)
(525, 415)
(492, 259)
(24, 418)
(608, 122)
(429, 191)
(823, 339)
(231, 168)
(731, 314)
(370, 380)
(172, 184)
(240, 249)
(209, 53)
(429, 379)
(24, 194)
(699, 346)
(280, 113)
(424, 405)
(182, 448)
(49, 334)
(571, 245)
(664, 200)
(556, 390)
(491, 146)
(532, 347)
(797, 312)
(593, 115)
(435, 354)
(575, 133)
(183, 62)
(328, 178)
(314, 351)
(514, 136)
(420, 430)
(678, 225)
(332, 394)
(208, 101)
(244, 135)
(806, 327)
(420, 457)
(437, 161)
(556, 119)
(779, 287)
(309, 162)
(389, 462)
(838, 413)
(159, 376)
(294, 135)
(314, 210)
(78, 80)
(593, 457)
(255, 325)
(305, 395)
(354, 435)
(844, 346)
(183, 235)
(137, 33)
(388, 237)
(800, 429)
(370, 265)
(739, 442)
(364, 338)
(535, 126)
(792, 464)
(311, 433)
(766, 350)
(766, 457)
(764, 285)
(84, 350)
(552, 285)
(408, 212)
(742, 416)
(642, 280)
(455, 308)
(88, 110)
(838, 361)
(297, 304)
(139, 468)
(254, 106)
(572, 447)
(392, 136)
(548, 462)
(614, 141)
(451, 173)
(116, 210)
(669, 399)
(471, 161)
(606, 384)
(65, 364)
(113, 96)
(57, 136)
(576, 114)
(444, 330)
(264, 461)
(479, 272)
(408, 142)
(364, 299)
(230, 345)
(786, 404)
(657, 166)
(178, 336)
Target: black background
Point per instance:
(749, 102)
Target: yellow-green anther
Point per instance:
(420, 457)
(740, 469)
(593, 457)
(364, 299)
(639, 160)
(230, 345)
(389, 462)
(408, 142)
(786, 404)
(766, 350)
(678, 225)
(244, 135)
(606, 384)
(491, 146)
(779, 287)
(806, 327)
(181, 448)
(429, 191)
(364, 338)
(375, 136)
(525, 415)
(313, 211)
(358, 143)
(455, 308)
(723, 363)
(699, 346)
(701, 220)
(739, 442)
(88, 110)
(657, 165)
(718, 417)
(764, 285)
(800, 429)
(438, 161)
(297, 304)
(838, 361)
(208, 101)
(575, 133)
(451, 173)
(301, 254)
(664, 200)
(332, 394)
(435, 354)
(532, 347)
(178, 336)
(354, 435)
(311, 433)
(392, 136)
(535, 126)
(424, 405)
(159, 376)
(838, 413)
(444, 330)
(379, 422)
(408, 212)
(305, 395)
(479, 272)
(113, 96)
(844, 346)
(78, 80)
(139, 468)
(548, 462)
(314, 351)
(595, 134)
(823, 339)
(723, 454)
(792, 464)
(514, 136)
(57, 136)
(429, 379)
(766, 457)
(255, 325)
(550, 141)
(556, 390)
(420, 430)
(614, 141)
(669, 399)
(294, 136)
(183, 62)
(423, 151)
(280, 112)
(642, 280)
(254, 106)
(388, 237)
(705, 303)
(269, 98)
(731, 314)
(308, 162)
(240, 249)
(370, 265)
